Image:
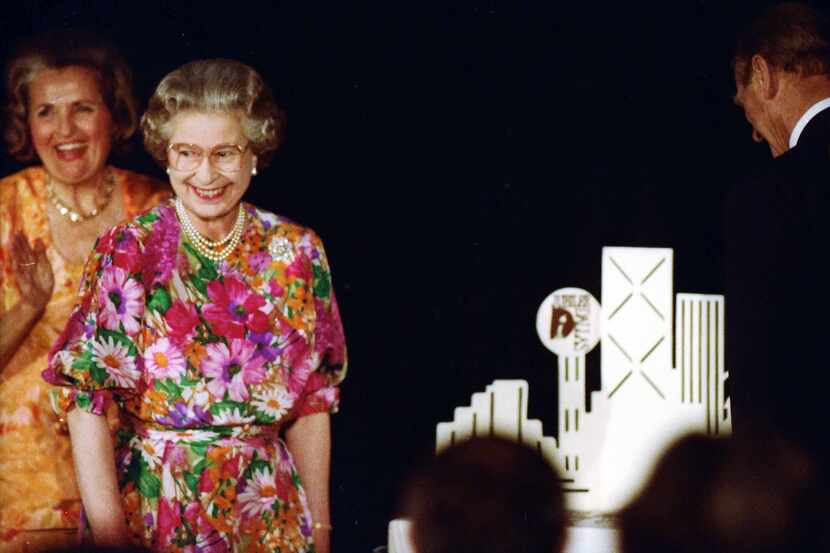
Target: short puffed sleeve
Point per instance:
(328, 357)
(99, 351)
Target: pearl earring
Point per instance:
(253, 172)
(167, 170)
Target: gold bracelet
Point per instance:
(322, 526)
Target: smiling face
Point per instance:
(70, 124)
(209, 194)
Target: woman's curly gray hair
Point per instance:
(214, 85)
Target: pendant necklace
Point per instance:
(71, 214)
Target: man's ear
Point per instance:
(764, 78)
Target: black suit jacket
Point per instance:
(778, 292)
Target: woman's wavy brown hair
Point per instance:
(58, 50)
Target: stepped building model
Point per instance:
(662, 376)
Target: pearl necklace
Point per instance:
(70, 213)
(208, 247)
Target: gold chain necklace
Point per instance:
(70, 213)
(208, 247)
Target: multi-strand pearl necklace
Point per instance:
(71, 214)
(208, 248)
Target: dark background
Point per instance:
(461, 162)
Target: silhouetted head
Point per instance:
(486, 495)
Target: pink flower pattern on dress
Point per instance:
(115, 359)
(182, 319)
(207, 361)
(260, 494)
(233, 369)
(234, 309)
(126, 254)
(161, 249)
(122, 298)
(164, 360)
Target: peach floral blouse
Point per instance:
(37, 480)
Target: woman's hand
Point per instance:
(35, 282)
(34, 272)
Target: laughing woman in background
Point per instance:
(69, 103)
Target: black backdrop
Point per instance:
(461, 162)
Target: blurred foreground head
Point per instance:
(756, 494)
(486, 496)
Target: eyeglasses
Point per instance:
(223, 157)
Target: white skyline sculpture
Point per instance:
(650, 393)
(501, 410)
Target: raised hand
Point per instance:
(33, 270)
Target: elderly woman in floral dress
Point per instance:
(214, 326)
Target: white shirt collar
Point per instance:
(814, 110)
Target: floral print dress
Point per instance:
(208, 362)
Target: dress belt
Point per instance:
(210, 435)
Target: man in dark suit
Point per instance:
(778, 283)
